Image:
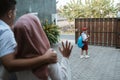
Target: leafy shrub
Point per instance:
(52, 32)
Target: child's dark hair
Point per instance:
(6, 5)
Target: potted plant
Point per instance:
(52, 32)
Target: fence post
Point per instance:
(118, 33)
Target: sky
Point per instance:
(63, 2)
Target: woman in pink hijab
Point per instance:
(32, 41)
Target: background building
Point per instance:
(44, 9)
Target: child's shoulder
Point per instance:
(82, 33)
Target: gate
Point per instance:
(102, 31)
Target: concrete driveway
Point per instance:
(103, 63)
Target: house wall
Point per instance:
(44, 8)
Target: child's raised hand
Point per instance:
(88, 36)
(66, 49)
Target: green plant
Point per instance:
(88, 9)
(52, 32)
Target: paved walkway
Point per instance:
(103, 64)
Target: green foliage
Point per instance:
(88, 9)
(52, 32)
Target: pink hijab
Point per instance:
(32, 41)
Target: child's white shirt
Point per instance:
(84, 36)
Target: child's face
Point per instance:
(85, 31)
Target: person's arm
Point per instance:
(13, 64)
(7, 55)
(62, 71)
